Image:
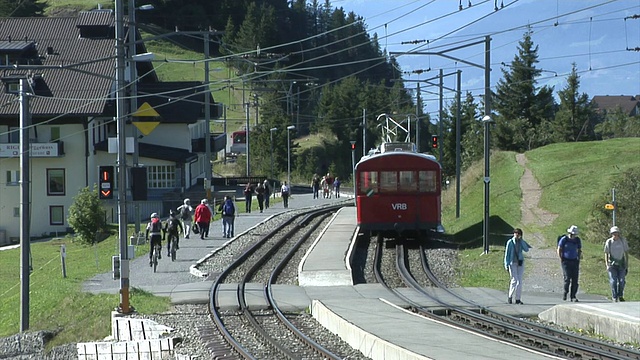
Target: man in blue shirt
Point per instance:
(570, 253)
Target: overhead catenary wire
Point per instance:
(386, 37)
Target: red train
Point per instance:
(238, 142)
(398, 192)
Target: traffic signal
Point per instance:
(434, 141)
(353, 145)
(106, 184)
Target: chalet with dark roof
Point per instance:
(629, 105)
(69, 67)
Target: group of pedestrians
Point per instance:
(569, 250)
(329, 185)
(262, 191)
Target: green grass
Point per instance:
(572, 176)
(59, 303)
(225, 86)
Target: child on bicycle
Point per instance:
(173, 227)
(154, 228)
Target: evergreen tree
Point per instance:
(520, 105)
(575, 119)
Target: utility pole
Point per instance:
(122, 156)
(25, 238)
(248, 148)
(364, 132)
(418, 104)
(207, 120)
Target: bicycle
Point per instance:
(154, 258)
(174, 246)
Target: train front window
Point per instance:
(388, 181)
(428, 181)
(408, 181)
(240, 138)
(368, 183)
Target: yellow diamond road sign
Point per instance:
(146, 126)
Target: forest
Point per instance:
(340, 70)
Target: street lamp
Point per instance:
(485, 224)
(272, 130)
(289, 128)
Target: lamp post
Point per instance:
(271, 131)
(133, 82)
(289, 128)
(485, 224)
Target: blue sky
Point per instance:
(592, 33)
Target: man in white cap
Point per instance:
(570, 253)
(616, 258)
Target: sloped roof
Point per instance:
(630, 105)
(177, 101)
(159, 152)
(74, 89)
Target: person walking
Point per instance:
(514, 263)
(315, 185)
(173, 228)
(329, 180)
(203, 216)
(616, 258)
(570, 253)
(186, 213)
(154, 228)
(336, 187)
(284, 191)
(267, 193)
(248, 196)
(260, 195)
(228, 210)
(325, 187)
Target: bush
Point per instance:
(86, 215)
(627, 191)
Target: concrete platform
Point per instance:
(620, 321)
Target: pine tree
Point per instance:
(576, 118)
(520, 105)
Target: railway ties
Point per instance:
(266, 332)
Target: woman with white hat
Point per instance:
(616, 258)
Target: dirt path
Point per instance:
(542, 269)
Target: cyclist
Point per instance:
(154, 228)
(173, 227)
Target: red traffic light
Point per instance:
(434, 141)
(353, 146)
(106, 182)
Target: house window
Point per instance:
(16, 212)
(56, 215)
(13, 177)
(55, 182)
(55, 133)
(161, 177)
(14, 135)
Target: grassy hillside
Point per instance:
(572, 176)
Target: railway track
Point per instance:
(267, 332)
(476, 318)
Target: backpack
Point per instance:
(185, 213)
(156, 226)
(228, 209)
(172, 224)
